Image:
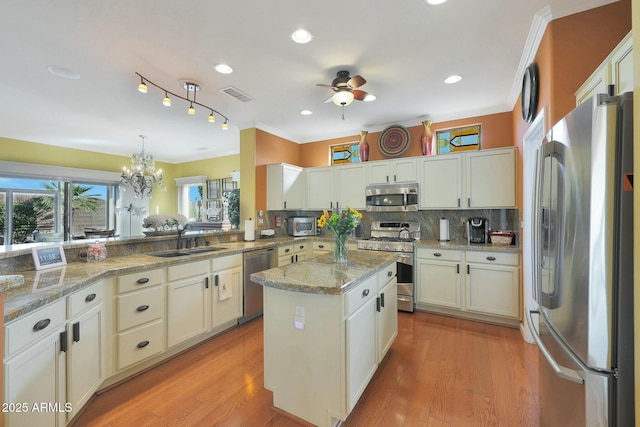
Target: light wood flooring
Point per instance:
(440, 371)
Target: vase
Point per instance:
(340, 248)
(364, 146)
(426, 139)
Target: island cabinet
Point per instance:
(226, 295)
(35, 368)
(188, 306)
(322, 342)
(321, 247)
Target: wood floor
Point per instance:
(440, 371)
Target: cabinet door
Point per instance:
(378, 172)
(85, 362)
(439, 284)
(226, 308)
(387, 317)
(493, 290)
(350, 184)
(404, 170)
(319, 188)
(622, 67)
(361, 352)
(441, 182)
(33, 377)
(597, 83)
(187, 309)
(292, 187)
(491, 179)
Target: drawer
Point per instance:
(285, 250)
(360, 294)
(142, 279)
(85, 298)
(322, 246)
(140, 343)
(226, 262)
(140, 307)
(300, 247)
(439, 254)
(26, 330)
(385, 275)
(182, 271)
(501, 258)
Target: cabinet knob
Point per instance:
(321, 246)
(389, 273)
(142, 308)
(142, 344)
(142, 280)
(41, 324)
(365, 292)
(437, 254)
(90, 297)
(491, 258)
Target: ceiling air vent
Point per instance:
(237, 94)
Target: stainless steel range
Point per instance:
(398, 237)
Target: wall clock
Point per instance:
(530, 92)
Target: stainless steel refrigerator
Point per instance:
(583, 257)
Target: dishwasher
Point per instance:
(254, 261)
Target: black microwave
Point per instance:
(392, 197)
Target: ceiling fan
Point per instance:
(345, 88)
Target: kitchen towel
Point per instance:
(444, 230)
(224, 285)
(250, 230)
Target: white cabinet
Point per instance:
(387, 310)
(322, 247)
(438, 277)
(616, 69)
(226, 296)
(492, 283)
(475, 180)
(392, 171)
(483, 285)
(284, 187)
(86, 345)
(285, 255)
(336, 187)
(187, 301)
(35, 368)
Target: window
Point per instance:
(345, 153)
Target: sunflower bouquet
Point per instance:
(340, 222)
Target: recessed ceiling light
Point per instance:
(301, 36)
(453, 79)
(63, 72)
(369, 97)
(435, 2)
(306, 112)
(223, 69)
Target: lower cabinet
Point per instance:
(478, 284)
(387, 313)
(361, 351)
(320, 248)
(226, 295)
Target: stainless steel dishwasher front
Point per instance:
(254, 261)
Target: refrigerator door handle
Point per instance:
(561, 371)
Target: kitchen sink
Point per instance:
(173, 254)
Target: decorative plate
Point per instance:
(394, 140)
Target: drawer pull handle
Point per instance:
(76, 332)
(437, 254)
(378, 304)
(321, 246)
(142, 308)
(382, 299)
(142, 344)
(40, 325)
(301, 246)
(216, 281)
(142, 280)
(90, 298)
(365, 292)
(286, 250)
(491, 258)
(389, 273)
(63, 341)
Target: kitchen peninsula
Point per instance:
(327, 327)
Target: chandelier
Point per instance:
(189, 87)
(143, 177)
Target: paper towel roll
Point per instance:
(444, 230)
(250, 230)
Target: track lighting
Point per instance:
(191, 88)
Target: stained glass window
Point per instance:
(345, 153)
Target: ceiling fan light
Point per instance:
(343, 97)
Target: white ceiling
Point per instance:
(403, 49)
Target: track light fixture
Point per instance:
(191, 88)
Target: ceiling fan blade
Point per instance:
(356, 81)
(329, 99)
(359, 95)
(323, 85)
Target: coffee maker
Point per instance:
(477, 229)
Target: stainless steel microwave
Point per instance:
(392, 197)
(301, 226)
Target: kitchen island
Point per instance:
(327, 327)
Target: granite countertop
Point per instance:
(463, 245)
(320, 275)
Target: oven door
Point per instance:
(404, 277)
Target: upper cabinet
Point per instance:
(336, 187)
(392, 171)
(616, 70)
(478, 179)
(284, 187)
